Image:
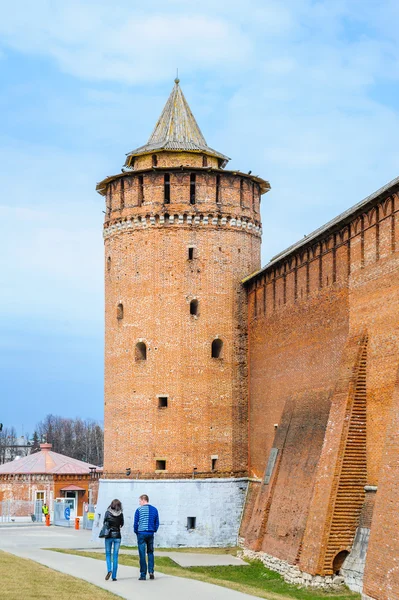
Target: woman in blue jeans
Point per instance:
(113, 521)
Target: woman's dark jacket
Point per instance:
(113, 521)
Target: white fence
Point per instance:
(19, 511)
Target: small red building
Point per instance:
(45, 476)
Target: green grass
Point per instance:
(252, 579)
(230, 550)
(23, 579)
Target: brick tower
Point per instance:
(181, 233)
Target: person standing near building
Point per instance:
(113, 521)
(45, 510)
(146, 523)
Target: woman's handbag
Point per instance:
(104, 531)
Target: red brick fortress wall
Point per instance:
(382, 570)
(323, 356)
(298, 328)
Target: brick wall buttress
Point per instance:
(341, 476)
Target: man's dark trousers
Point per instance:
(145, 543)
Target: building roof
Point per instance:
(176, 130)
(335, 223)
(47, 462)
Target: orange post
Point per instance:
(77, 522)
(47, 520)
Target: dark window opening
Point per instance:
(241, 192)
(160, 465)
(217, 189)
(122, 194)
(190, 253)
(141, 190)
(154, 160)
(119, 312)
(204, 161)
(191, 522)
(140, 351)
(132, 161)
(109, 199)
(217, 348)
(192, 188)
(162, 402)
(194, 307)
(214, 461)
(166, 187)
(339, 561)
(109, 263)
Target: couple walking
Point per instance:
(146, 523)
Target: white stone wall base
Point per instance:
(216, 504)
(292, 574)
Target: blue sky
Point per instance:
(303, 93)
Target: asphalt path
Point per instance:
(30, 542)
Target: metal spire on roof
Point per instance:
(177, 129)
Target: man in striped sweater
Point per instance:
(146, 523)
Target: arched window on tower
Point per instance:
(204, 160)
(194, 307)
(154, 160)
(119, 312)
(192, 188)
(109, 261)
(140, 352)
(166, 184)
(217, 348)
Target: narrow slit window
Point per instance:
(217, 348)
(166, 184)
(191, 522)
(217, 189)
(160, 465)
(119, 312)
(141, 191)
(122, 192)
(162, 402)
(109, 261)
(191, 253)
(154, 160)
(109, 199)
(214, 463)
(140, 351)
(241, 192)
(204, 161)
(194, 307)
(192, 188)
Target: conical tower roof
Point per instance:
(177, 130)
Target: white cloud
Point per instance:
(93, 41)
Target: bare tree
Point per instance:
(8, 444)
(83, 440)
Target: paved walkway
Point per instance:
(28, 542)
(192, 559)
